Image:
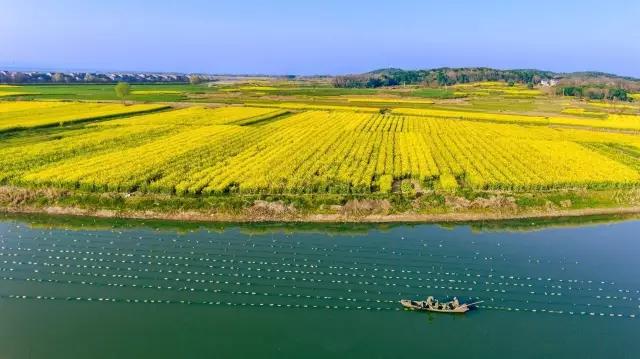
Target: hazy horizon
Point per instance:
(329, 38)
(89, 70)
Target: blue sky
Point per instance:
(319, 37)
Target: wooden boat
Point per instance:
(434, 306)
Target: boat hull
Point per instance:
(421, 306)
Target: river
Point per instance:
(87, 288)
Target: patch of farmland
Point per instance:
(10, 93)
(201, 116)
(22, 115)
(612, 121)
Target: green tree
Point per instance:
(617, 94)
(123, 90)
(442, 79)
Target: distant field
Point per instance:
(101, 92)
(584, 119)
(186, 92)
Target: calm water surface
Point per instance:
(73, 288)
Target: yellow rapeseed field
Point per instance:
(201, 116)
(201, 151)
(496, 88)
(612, 121)
(612, 105)
(12, 93)
(308, 106)
(583, 112)
(28, 114)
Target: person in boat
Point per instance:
(455, 303)
(429, 301)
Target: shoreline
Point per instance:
(452, 217)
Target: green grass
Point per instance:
(321, 91)
(433, 93)
(500, 104)
(106, 92)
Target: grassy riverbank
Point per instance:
(425, 207)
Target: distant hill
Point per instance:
(450, 76)
(596, 74)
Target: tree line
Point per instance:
(598, 87)
(440, 77)
(590, 85)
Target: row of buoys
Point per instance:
(297, 305)
(457, 257)
(366, 283)
(258, 276)
(197, 302)
(282, 264)
(277, 278)
(151, 285)
(130, 255)
(158, 286)
(339, 281)
(550, 311)
(552, 293)
(215, 290)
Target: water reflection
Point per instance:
(97, 223)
